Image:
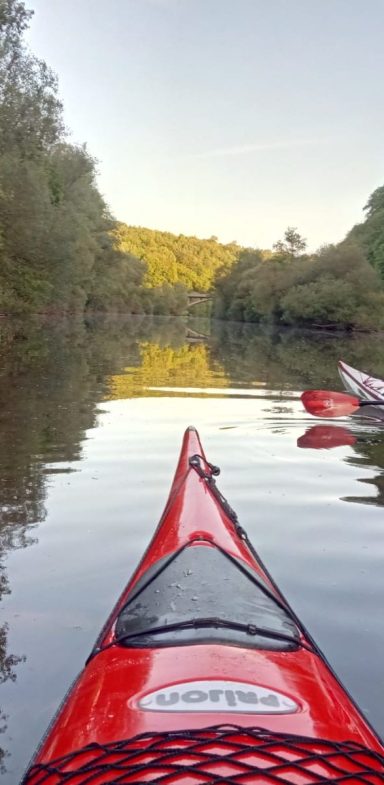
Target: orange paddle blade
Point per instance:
(325, 403)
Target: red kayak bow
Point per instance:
(203, 673)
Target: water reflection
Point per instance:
(8, 663)
(166, 368)
(54, 375)
(369, 454)
(324, 437)
(291, 358)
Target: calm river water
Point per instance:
(91, 421)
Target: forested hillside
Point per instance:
(174, 258)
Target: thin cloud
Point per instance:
(258, 147)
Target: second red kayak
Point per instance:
(203, 673)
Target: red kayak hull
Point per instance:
(127, 691)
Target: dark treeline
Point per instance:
(55, 244)
(369, 235)
(339, 286)
(58, 252)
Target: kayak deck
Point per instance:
(203, 673)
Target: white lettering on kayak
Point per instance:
(218, 696)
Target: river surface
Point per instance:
(91, 421)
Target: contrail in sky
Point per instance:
(258, 147)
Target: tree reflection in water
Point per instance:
(52, 376)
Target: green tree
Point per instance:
(234, 287)
(30, 111)
(335, 288)
(57, 248)
(369, 235)
(375, 203)
(292, 245)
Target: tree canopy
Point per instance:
(337, 287)
(172, 259)
(369, 235)
(292, 245)
(57, 249)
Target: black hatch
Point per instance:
(202, 595)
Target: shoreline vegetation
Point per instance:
(62, 252)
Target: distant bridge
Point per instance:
(194, 298)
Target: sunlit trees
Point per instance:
(172, 259)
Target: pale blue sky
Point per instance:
(227, 117)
